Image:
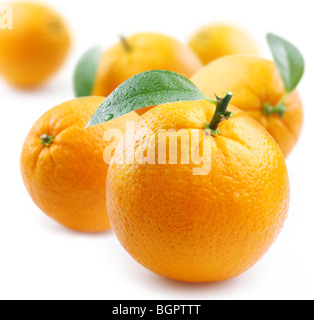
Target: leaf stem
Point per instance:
(211, 101)
(125, 43)
(221, 114)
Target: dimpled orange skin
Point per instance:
(67, 180)
(254, 82)
(200, 228)
(215, 41)
(35, 48)
(147, 51)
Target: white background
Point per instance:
(41, 260)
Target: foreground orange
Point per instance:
(138, 53)
(218, 40)
(63, 167)
(35, 48)
(258, 90)
(199, 228)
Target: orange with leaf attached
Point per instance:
(198, 228)
(138, 53)
(259, 91)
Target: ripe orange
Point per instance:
(199, 228)
(63, 167)
(256, 86)
(142, 52)
(35, 48)
(219, 40)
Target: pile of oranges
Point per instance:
(191, 228)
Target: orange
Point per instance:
(218, 40)
(63, 166)
(256, 86)
(142, 52)
(35, 48)
(199, 228)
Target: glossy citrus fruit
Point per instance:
(198, 228)
(35, 48)
(63, 165)
(215, 41)
(257, 88)
(138, 53)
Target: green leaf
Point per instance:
(288, 59)
(86, 71)
(146, 89)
